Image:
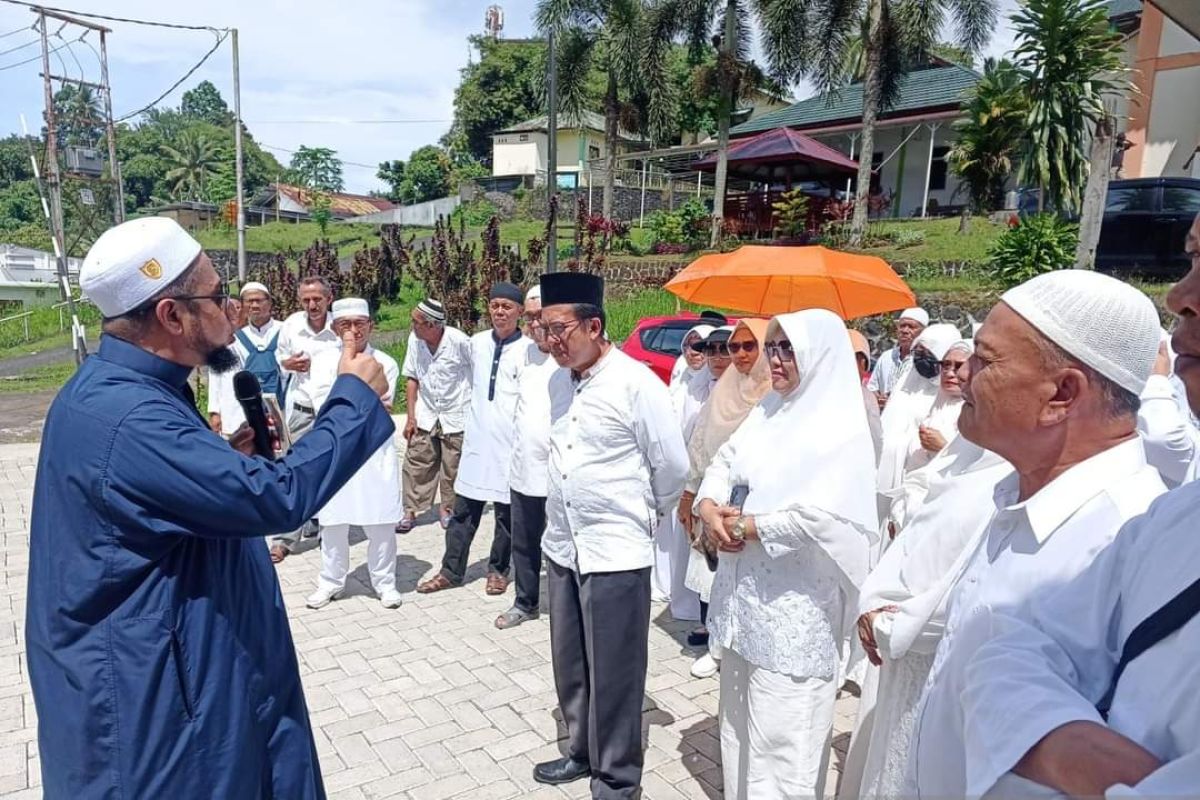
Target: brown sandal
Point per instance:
(435, 584)
(496, 584)
(278, 553)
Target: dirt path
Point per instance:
(19, 365)
(22, 415)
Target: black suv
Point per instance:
(1146, 221)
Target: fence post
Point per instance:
(642, 213)
(25, 319)
(60, 320)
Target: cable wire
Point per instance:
(151, 23)
(28, 60)
(293, 152)
(220, 38)
(18, 30)
(18, 47)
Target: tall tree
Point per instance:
(610, 35)
(193, 160)
(1069, 59)
(990, 135)
(205, 102)
(79, 118)
(317, 168)
(392, 173)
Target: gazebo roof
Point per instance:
(781, 156)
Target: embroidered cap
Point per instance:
(350, 307)
(134, 261)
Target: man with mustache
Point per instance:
(1094, 691)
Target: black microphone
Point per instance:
(249, 394)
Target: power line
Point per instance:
(28, 60)
(292, 152)
(131, 21)
(18, 30)
(18, 47)
(347, 121)
(176, 84)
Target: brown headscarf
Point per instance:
(728, 405)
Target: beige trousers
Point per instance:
(431, 459)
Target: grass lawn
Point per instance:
(39, 379)
(942, 242)
(280, 236)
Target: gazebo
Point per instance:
(777, 161)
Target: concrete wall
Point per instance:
(428, 212)
(512, 156)
(1174, 124)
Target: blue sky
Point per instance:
(309, 69)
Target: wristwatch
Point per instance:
(738, 531)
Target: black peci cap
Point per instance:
(572, 288)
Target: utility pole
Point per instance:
(237, 145)
(114, 166)
(552, 156)
(54, 181)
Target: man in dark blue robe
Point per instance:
(158, 643)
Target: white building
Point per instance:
(522, 149)
(31, 276)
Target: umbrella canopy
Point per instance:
(765, 280)
(781, 156)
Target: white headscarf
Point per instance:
(909, 404)
(690, 387)
(942, 416)
(821, 422)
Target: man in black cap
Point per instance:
(617, 465)
(496, 360)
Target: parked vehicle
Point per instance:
(657, 341)
(1146, 221)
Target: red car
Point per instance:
(656, 341)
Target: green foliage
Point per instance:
(686, 226)
(1040, 243)
(317, 168)
(319, 211)
(909, 238)
(205, 103)
(426, 175)
(1069, 59)
(990, 136)
(392, 173)
(192, 161)
(78, 116)
(791, 213)
(475, 213)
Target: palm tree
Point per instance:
(193, 159)
(609, 34)
(990, 136)
(1069, 61)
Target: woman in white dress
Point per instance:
(902, 607)
(793, 553)
(691, 382)
(371, 499)
(727, 407)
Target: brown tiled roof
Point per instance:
(341, 204)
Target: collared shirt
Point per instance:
(1028, 548)
(155, 624)
(221, 397)
(488, 438)
(443, 380)
(887, 370)
(296, 337)
(617, 463)
(1037, 673)
(531, 443)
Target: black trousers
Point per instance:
(599, 625)
(528, 524)
(461, 532)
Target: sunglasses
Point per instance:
(719, 350)
(781, 350)
(951, 366)
(737, 347)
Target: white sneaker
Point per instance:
(322, 597)
(390, 598)
(705, 666)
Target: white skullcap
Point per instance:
(134, 261)
(254, 286)
(1105, 323)
(917, 315)
(350, 307)
(534, 293)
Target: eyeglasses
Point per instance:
(781, 350)
(220, 298)
(557, 330)
(737, 347)
(359, 325)
(718, 350)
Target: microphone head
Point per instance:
(246, 386)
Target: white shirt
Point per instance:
(1028, 548)
(296, 337)
(491, 421)
(221, 398)
(531, 443)
(887, 370)
(617, 462)
(1168, 429)
(372, 495)
(1053, 665)
(443, 380)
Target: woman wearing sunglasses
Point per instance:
(788, 501)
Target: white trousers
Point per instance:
(671, 549)
(381, 555)
(776, 732)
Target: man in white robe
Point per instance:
(370, 499)
(1034, 691)
(909, 325)
(1054, 383)
(497, 356)
(617, 464)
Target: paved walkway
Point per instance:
(428, 701)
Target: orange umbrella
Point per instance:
(765, 280)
